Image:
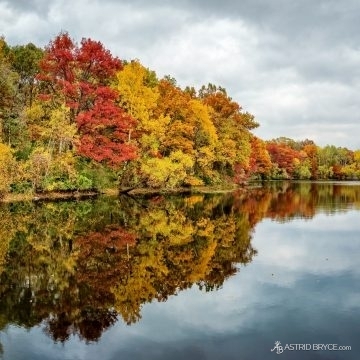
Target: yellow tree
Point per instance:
(175, 133)
(233, 128)
(205, 140)
(7, 169)
(139, 95)
(190, 130)
(51, 127)
(55, 138)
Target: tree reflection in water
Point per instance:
(77, 267)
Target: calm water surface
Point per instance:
(196, 277)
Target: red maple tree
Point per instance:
(81, 76)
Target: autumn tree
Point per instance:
(7, 169)
(260, 161)
(284, 157)
(138, 96)
(190, 130)
(79, 76)
(233, 128)
(8, 80)
(332, 160)
(25, 61)
(311, 153)
(175, 133)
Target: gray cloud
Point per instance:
(24, 6)
(293, 64)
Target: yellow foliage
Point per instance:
(154, 133)
(38, 165)
(52, 126)
(7, 168)
(7, 230)
(136, 97)
(202, 119)
(357, 157)
(169, 171)
(202, 264)
(193, 181)
(174, 226)
(193, 200)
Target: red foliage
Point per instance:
(57, 64)
(105, 130)
(283, 155)
(337, 172)
(103, 261)
(81, 75)
(97, 243)
(96, 62)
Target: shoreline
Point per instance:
(182, 190)
(85, 194)
(49, 196)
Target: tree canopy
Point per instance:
(73, 117)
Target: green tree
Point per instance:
(25, 61)
(8, 81)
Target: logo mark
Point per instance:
(279, 349)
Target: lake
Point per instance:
(220, 276)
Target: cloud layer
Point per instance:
(294, 65)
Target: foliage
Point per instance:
(7, 169)
(169, 171)
(8, 80)
(25, 62)
(233, 129)
(260, 162)
(81, 75)
(76, 117)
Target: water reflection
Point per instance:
(78, 267)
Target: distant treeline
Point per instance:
(74, 117)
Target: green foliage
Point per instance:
(80, 182)
(8, 80)
(21, 187)
(25, 61)
(278, 173)
(325, 172)
(302, 170)
(83, 182)
(101, 177)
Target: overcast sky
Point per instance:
(295, 65)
